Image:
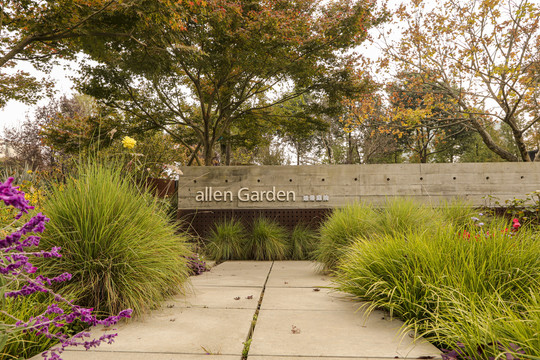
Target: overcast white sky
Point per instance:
(15, 112)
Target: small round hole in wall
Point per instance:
(454, 178)
(226, 180)
(487, 177)
(387, 179)
(355, 179)
(523, 177)
(194, 181)
(258, 180)
(290, 180)
(322, 179)
(421, 178)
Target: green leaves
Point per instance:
(227, 61)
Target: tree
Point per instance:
(231, 60)
(40, 31)
(72, 126)
(482, 55)
(297, 126)
(27, 144)
(426, 122)
(366, 134)
(80, 127)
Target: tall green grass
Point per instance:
(227, 241)
(490, 326)
(267, 241)
(457, 212)
(20, 344)
(116, 242)
(437, 280)
(401, 215)
(341, 228)
(303, 242)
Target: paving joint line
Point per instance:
(247, 343)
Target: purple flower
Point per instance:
(15, 266)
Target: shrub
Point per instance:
(268, 241)
(340, 229)
(33, 316)
(303, 242)
(116, 242)
(403, 215)
(417, 277)
(227, 240)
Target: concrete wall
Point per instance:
(342, 184)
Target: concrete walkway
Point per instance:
(298, 318)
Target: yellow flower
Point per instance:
(29, 171)
(128, 142)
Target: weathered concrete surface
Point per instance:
(211, 321)
(217, 297)
(94, 355)
(315, 298)
(235, 273)
(184, 330)
(344, 184)
(294, 274)
(332, 333)
(315, 358)
(300, 318)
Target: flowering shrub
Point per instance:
(16, 269)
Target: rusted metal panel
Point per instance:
(162, 187)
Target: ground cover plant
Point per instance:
(472, 290)
(227, 240)
(267, 240)
(341, 228)
(32, 315)
(117, 242)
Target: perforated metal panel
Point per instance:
(200, 221)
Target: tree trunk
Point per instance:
(208, 153)
(518, 137)
(228, 154)
(486, 137)
(349, 149)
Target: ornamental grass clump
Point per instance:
(116, 242)
(437, 281)
(227, 240)
(458, 212)
(303, 242)
(403, 215)
(267, 241)
(32, 315)
(341, 228)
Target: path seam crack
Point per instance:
(247, 343)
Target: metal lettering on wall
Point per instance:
(244, 194)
